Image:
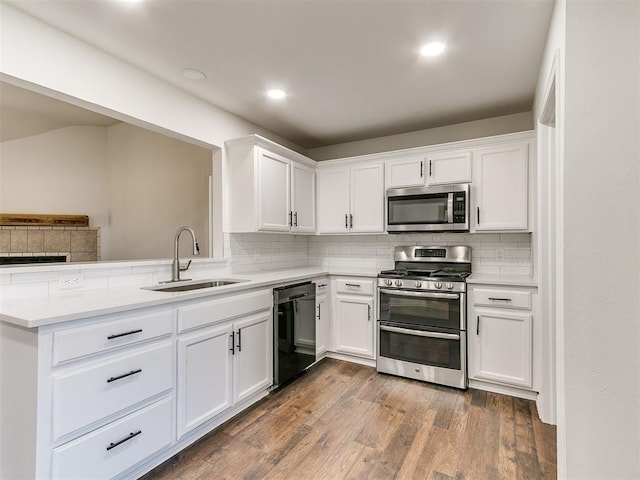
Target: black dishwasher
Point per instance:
(294, 330)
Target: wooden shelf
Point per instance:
(37, 220)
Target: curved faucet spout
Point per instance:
(176, 267)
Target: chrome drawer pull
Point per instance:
(496, 299)
(119, 377)
(126, 439)
(352, 285)
(118, 335)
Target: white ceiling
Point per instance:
(351, 67)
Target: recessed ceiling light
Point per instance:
(432, 49)
(276, 93)
(193, 74)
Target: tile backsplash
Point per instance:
(504, 253)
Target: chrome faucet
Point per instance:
(176, 267)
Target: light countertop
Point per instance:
(63, 307)
(504, 280)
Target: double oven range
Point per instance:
(422, 315)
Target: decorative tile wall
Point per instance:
(78, 244)
(255, 252)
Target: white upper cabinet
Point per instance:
(420, 169)
(274, 192)
(351, 199)
(500, 188)
(267, 188)
(405, 172)
(448, 167)
(303, 196)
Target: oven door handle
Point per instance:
(406, 293)
(420, 333)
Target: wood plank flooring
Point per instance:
(345, 421)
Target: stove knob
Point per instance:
(438, 285)
(450, 286)
(388, 282)
(398, 283)
(418, 284)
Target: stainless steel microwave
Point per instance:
(442, 208)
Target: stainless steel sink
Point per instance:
(192, 285)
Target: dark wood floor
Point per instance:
(343, 420)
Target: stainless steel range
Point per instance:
(422, 315)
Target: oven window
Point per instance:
(436, 352)
(418, 209)
(421, 310)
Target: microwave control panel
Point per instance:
(459, 207)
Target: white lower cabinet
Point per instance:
(108, 451)
(354, 318)
(204, 376)
(222, 364)
(322, 316)
(500, 336)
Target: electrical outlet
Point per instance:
(73, 280)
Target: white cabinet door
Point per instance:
(303, 194)
(333, 200)
(500, 347)
(367, 198)
(274, 187)
(252, 362)
(405, 172)
(500, 186)
(204, 376)
(448, 167)
(322, 324)
(354, 325)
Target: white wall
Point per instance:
(602, 239)
(598, 123)
(61, 171)
(487, 127)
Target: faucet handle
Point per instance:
(184, 268)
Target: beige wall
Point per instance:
(61, 171)
(517, 122)
(137, 186)
(156, 184)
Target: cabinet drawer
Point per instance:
(108, 451)
(354, 286)
(80, 341)
(87, 395)
(502, 298)
(205, 313)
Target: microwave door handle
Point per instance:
(420, 333)
(450, 209)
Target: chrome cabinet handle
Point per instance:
(124, 375)
(429, 167)
(125, 439)
(118, 335)
(239, 339)
(346, 221)
(478, 325)
(318, 312)
(497, 299)
(421, 168)
(351, 220)
(295, 219)
(233, 343)
(352, 285)
(290, 219)
(478, 222)
(369, 312)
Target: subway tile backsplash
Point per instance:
(504, 253)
